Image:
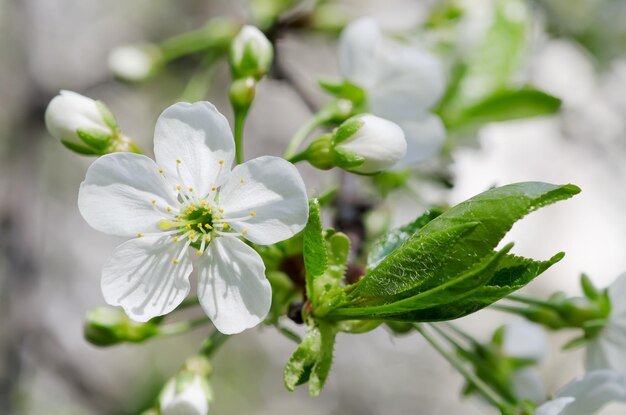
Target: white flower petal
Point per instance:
(409, 81)
(199, 136)
(118, 193)
(593, 391)
(358, 51)
(232, 287)
(527, 384)
(554, 407)
(273, 189)
(141, 277)
(424, 139)
(524, 340)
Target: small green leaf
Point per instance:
(343, 89)
(328, 287)
(589, 289)
(315, 256)
(505, 106)
(312, 360)
(393, 239)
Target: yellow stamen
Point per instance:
(175, 239)
(221, 161)
(240, 180)
(175, 261)
(214, 188)
(253, 213)
(206, 225)
(244, 232)
(225, 225)
(179, 187)
(221, 210)
(178, 161)
(161, 171)
(169, 209)
(199, 253)
(139, 235)
(191, 189)
(154, 202)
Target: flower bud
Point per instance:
(80, 123)
(251, 54)
(242, 93)
(366, 144)
(134, 63)
(107, 326)
(188, 394)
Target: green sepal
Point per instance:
(107, 116)
(108, 326)
(589, 289)
(80, 149)
(574, 343)
(347, 159)
(347, 130)
(94, 138)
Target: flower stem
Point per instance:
(291, 152)
(212, 343)
(240, 120)
(530, 301)
(470, 376)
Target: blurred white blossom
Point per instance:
(402, 84)
(186, 397)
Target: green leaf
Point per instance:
(312, 360)
(343, 89)
(512, 274)
(314, 251)
(448, 268)
(453, 290)
(492, 64)
(507, 105)
(328, 287)
(393, 239)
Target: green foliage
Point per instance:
(312, 359)
(393, 239)
(449, 268)
(505, 106)
(315, 257)
(343, 89)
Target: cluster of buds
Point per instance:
(250, 58)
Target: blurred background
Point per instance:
(50, 259)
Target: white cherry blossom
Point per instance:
(402, 84)
(188, 210)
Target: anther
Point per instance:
(240, 180)
(244, 232)
(154, 202)
(169, 209)
(214, 188)
(253, 213)
(221, 161)
(161, 171)
(165, 224)
(221, 210)
(174, 261)
(139, 235)
(179, 187)
(178, 161)
(199, 253)
(191, 189)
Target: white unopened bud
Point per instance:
(251, 54)
(134, 63)
(186, 394)
(80, 123)
(367, 144)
